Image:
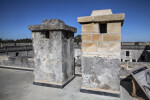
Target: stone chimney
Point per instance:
(53, 46)
(101, 47)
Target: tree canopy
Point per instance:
(77, 39)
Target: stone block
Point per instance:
(102, 18)
(86, 37)
(100, 73)
(111, 37)
(90, 28)
(107, 18)
(52, 24)
(103, 47)
(114, 27)
(115, 47)
(97, 37)
(101, 12)
(89, 47)
(85, 19)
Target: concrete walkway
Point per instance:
(17, 85)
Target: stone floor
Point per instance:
(17, 85)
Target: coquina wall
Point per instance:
(24, 51)
(135, 52)
(101, 47)
(18, 55)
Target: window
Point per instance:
(126, 60)
(45, 34)
(133, 60)
(103, 28)
(142, 58)
(127, 53)
(17, 54)
(121, 60)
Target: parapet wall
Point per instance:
(135, 43)
(14, 44)
(16, 61)
(16, 54)
(136, 49)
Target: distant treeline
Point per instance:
(77, 39)
(27, 40)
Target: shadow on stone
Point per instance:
(127, 84)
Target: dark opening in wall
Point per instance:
(67, 35)
(133, 60)
(121, 60)
(142, 58)
(45, 34)
(17, 54)
(103, 28)
(127, 53)
(126, 60)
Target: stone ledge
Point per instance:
(107, 55)
(16, 68)
(102, 18)
(101, 92)
(52, 25)
(54, 85)
(101, 12)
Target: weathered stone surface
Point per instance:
(103, 18)
(111, 37)
(23, 44)
(115, 47)
(85, 19)
(48, 57)
(101, 12)
(97, 37)
(114, 27)
(52, 24)
(101, 56)
(86, 37)
(90, 28)
(109, 18)
(127, 43)
(78, 65)
(77, 56)
(89, 47)
(100, 73)
(17, 61)
(103, 47)
(50, 48)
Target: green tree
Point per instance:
(27, 40)
(8, 41)
(1, 40)
(77, 39)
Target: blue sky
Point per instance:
(16, 15)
